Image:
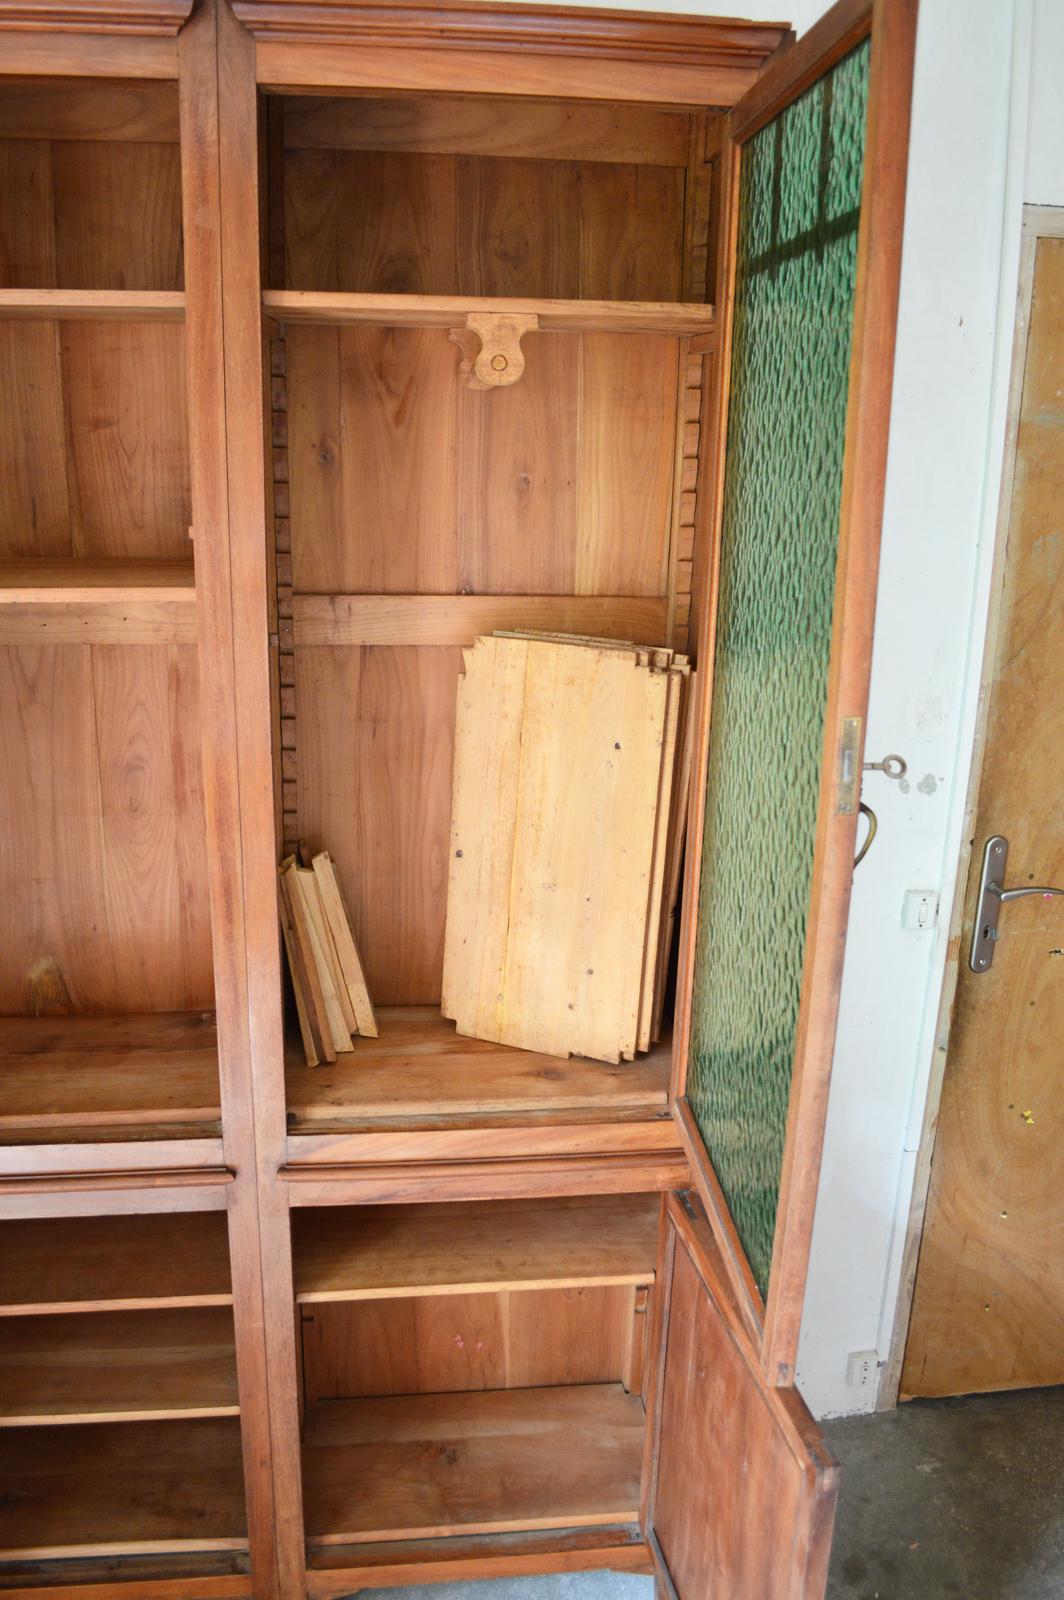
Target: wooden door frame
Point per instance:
(891, 25)
(1039, 222)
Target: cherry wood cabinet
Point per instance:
(440, 1309)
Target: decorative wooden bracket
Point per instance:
(491, 350)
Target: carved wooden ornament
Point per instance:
(491, 350)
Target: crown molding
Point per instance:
(158, 18)
(480, 25)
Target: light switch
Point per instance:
(919, 909)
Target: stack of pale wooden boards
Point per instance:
(332, 1000)
(566, 840)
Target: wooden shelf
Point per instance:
(122, 1263)
(93, 305)
(122, 1488)
(382, 1252)
(124, 1366)
(421, 1070)
(449, 311)
(70, 601)
(492, 1462)
(95, 1075)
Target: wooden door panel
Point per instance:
(988, 1311)
(744, 1490)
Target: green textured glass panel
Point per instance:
(795, 274)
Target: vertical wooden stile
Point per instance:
(202, 205)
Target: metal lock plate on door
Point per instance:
(992, 896)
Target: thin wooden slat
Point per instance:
(347, 954)
(458, 620)
(431, 1466)
(421, 1067)
(35, 581)
(545, 130)
(57, 1264)
(119, 1366)
(447, 311)
(123, 1488)
(93, 305)
(394, 1252)
(148, 621)
(89, 1072)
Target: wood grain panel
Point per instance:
(382, 223)
(631, 232)
(71, 109)
(397, 222)
(518, 455)
(101, 783)
(104, 1073)
(467, 1342)
(404, 482)
(988, 1311)
(546, 130)
(27, 228)
(133, 1365)
(626, 460)
(420, 1467)
(100, 1490)
(438, 619)
(54, 1265)
(34, 502)
(124, 394)
(389, 1251)
(517, 233)
(376, 730)
(372, 459)
(743, 1495)
(117, 214)
(155, 905)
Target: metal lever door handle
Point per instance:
(992, 896)
(1005, 895)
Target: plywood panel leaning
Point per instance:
(564, 759)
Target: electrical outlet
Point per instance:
(861, 1368)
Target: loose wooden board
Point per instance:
(556, 798)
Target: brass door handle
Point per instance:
(992, 896)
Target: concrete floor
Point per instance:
(941, 1500)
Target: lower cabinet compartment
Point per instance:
(473, 1368)
(427, 1466)
(121, 1488)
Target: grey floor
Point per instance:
(941, 1500)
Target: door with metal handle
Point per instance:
(992, 896)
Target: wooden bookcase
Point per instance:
(439, 1309)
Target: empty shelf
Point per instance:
(422, 1068)
(123, 1263)
(122, 1488)
(448, 311)
(380, 1252)
(82, 1074)
(92, 305)
(492, 1462)
(121, 1366)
